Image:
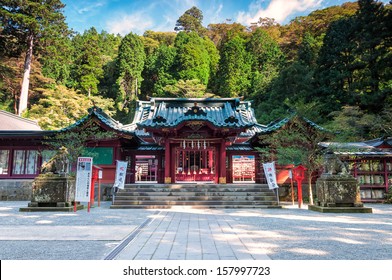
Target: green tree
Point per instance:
(88, 61)
(267, 61)
(27, 23)
(166, 38)
(57, 59)
(158, 71)
(191, 20)
(59, 107)
(76, 139)
(354, 124)
(220, 33)
(296, 143)
(316, 24)
(233, 76)
(193, 59)
(372, 32)
(9, 83)
(337, 67)
(188, 89)
(107, 86)
(130, 62)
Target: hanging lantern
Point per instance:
(198, 144)
(204, 144)
(192, 144)
(184, 145)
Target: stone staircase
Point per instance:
(195, 196)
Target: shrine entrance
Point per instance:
(195, 164)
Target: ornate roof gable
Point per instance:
(170, 112)
(96, 113)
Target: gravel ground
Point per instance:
(286, 234)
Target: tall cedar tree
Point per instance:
(191, 20)
(28, 22)
(337, 67)
(192, 61)
(371, 52)
(234, 69)
(130, 63)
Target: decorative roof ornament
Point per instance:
(231, 119)
(159, 119)
(195, 111)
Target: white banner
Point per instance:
(83, 179)
(270, 175)
(121, 172)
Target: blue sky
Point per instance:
(137, 16)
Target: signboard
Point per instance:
(121, 172)
(270, 174)
(83, 179)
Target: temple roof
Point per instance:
(273, 126)
(370, 146)
(170, 112)
(103, 118)
(12, 122)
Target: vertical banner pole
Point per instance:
(292, 190)
(99, 192)
(299, 186)
(276, 191)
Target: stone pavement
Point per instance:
(184, 233)
(189, 234)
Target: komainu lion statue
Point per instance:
(58, 164)
(333, 165)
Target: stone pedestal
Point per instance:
(52, 192)
(338, 194)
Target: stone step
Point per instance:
(188, 193)
(198, 198)
(192, 206)
(194, 195)
(195, 190)
(193, 202)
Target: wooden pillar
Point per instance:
(222, 163)
(167, 162)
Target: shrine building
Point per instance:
(169, 141)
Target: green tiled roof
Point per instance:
(103, 117)
(279, 124)
(170, 112)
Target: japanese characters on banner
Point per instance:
(270, 174)
(83, 179)
(121, 172)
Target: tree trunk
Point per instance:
(310, 190)
(24, 94)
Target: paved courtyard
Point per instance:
(194, 234)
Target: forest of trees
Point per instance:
(333, 66)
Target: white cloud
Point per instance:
(172, 10)
(137, 23)
(277, 9)
(213, 15)
(88, 7)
